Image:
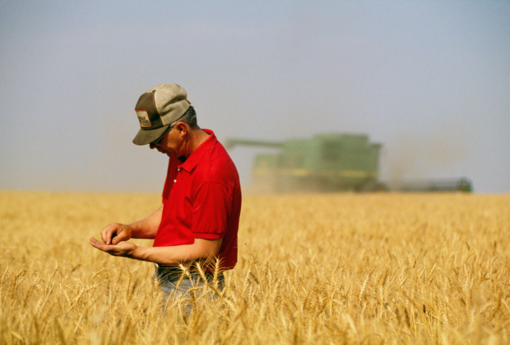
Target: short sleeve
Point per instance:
(212, 205)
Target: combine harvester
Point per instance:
(326, 163)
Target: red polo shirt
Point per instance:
(202, 199)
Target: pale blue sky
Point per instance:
(430, 80)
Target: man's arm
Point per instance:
(145, 228)
(165, 256)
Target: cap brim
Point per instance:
(145, 137)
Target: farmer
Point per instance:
(196, 225)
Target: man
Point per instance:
(196, 225)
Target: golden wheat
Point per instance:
(313, 269)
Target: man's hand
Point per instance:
(115, 233)
(122, 249)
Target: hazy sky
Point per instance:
(430, 80)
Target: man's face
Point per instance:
(172, 144)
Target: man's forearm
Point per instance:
(165, 256)
(147, 227)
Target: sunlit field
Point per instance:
(313, 269)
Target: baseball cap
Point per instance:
(157, 109)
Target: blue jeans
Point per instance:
(175, 284)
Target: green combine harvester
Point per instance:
(324, 163)
(330, 163)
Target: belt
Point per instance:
(167, 269)
(176, 270)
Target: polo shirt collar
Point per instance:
(197, 155)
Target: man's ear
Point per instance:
(182, 128)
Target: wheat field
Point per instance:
(313, 269)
